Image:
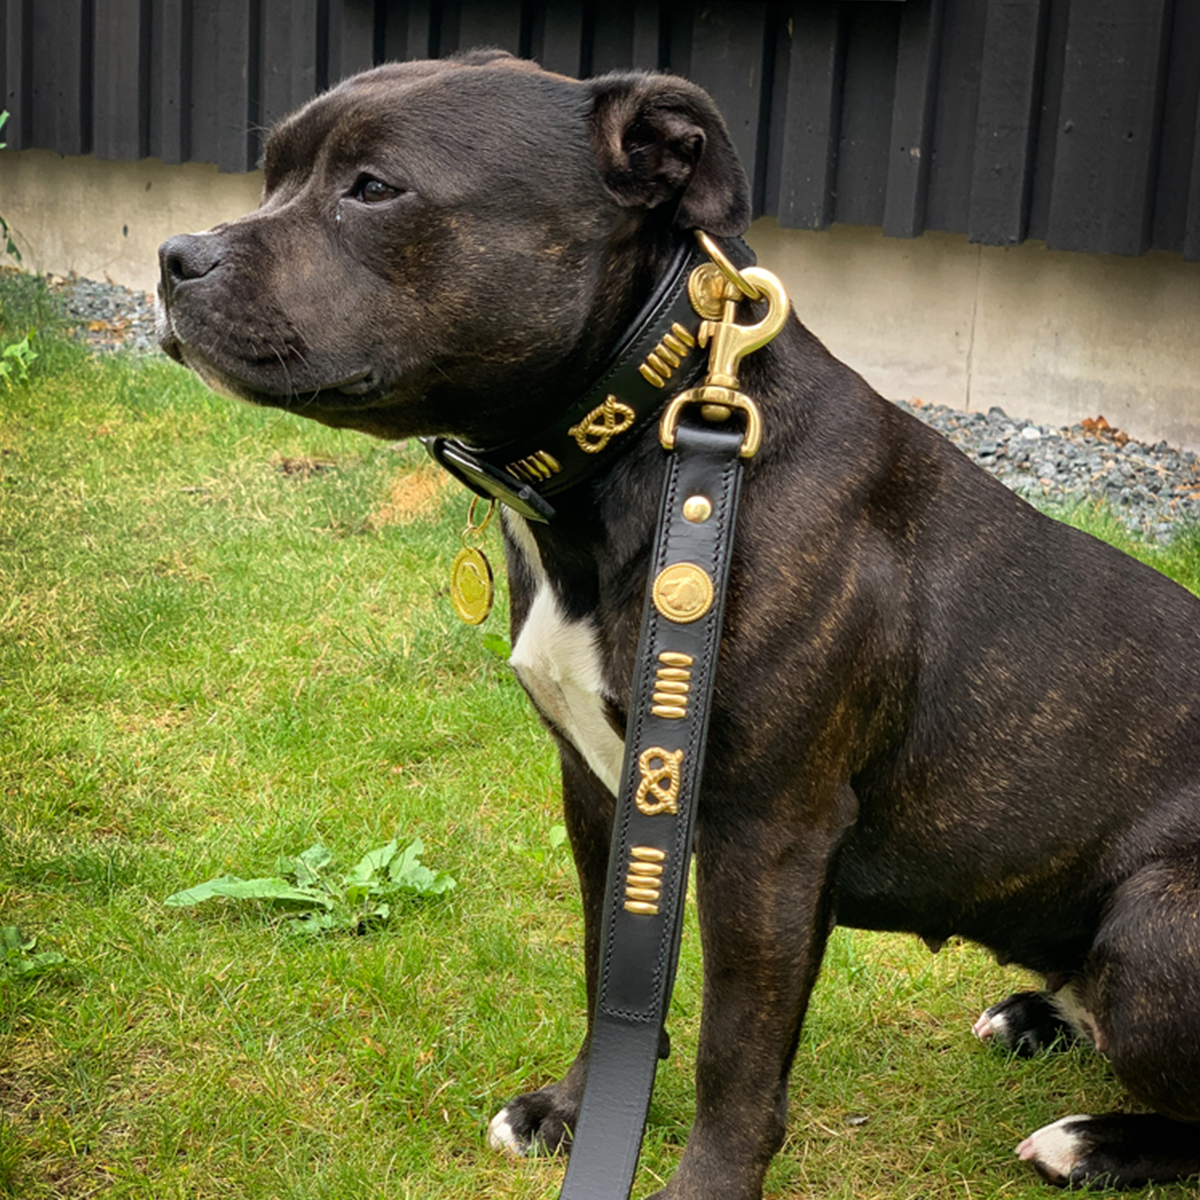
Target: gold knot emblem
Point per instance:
(660, 778)
(602, 424)
(683, 592)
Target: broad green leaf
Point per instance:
(308, 866)
(16, 957)
(247, 889)
(497, 645)
(372, 861)
(402, 867)
(313, 923)
(408, 873)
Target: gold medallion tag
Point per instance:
(471, 587)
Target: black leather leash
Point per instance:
(665, 740)
(651, 847)
(693, 308)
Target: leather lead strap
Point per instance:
(660, 783)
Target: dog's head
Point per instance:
(443, 247)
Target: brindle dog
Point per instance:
(936, 710)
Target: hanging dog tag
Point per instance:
(471, 586)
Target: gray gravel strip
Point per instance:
(105, 315)
(1153, 490)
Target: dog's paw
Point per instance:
(532, 1124)
(1122, 1150)
(1026, 1023)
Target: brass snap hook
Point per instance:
(715, 289)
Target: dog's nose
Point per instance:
(188, 256)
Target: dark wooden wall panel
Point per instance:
(120, 101)
(611, 39)
(18, 63)
(558, 43)
(864, 140)
(1108, 129)
(490, 23)
(407, 30)
(910, 149)
(170, 80)
(806, 115)
(60, 75)
(1173, 186)
(728, 54)
(223, 128)
(647, 48)
(289, 57)
(1072, 121)
(351, 38)
(1005, 138)
(955, 110)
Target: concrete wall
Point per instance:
(105, 220)
(1049, 335)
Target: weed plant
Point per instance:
(224, 637)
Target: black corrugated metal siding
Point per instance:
(1072, 121)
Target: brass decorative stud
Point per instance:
(605, 422)
(672, 686)
(662, 771)
(697, 509)
(683, 592)
(662, 362)
(536, 468)
(643, 882)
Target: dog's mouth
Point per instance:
(290, 377)
(359, 399)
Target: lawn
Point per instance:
(225, 637)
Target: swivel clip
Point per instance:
(716, 288)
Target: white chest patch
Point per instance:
(559, 664)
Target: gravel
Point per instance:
(106, 316)
(1154, 490)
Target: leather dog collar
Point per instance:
(657, 357)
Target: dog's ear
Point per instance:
(659, 139)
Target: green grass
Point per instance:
(224, 636)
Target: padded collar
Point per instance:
(657, 357)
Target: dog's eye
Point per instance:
(372, 191)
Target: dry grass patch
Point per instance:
(413, 494)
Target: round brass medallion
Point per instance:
(471, 588)
(683, 592)
(706, 291)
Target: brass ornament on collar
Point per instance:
(472, 587)
(605, 422)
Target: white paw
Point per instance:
(501, 1136)
(990, 1025)
(1055, 1150)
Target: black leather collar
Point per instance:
(657, 357)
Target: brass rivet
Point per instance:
(697, 509)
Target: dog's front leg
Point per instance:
(765, 915)
(543, 1120)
